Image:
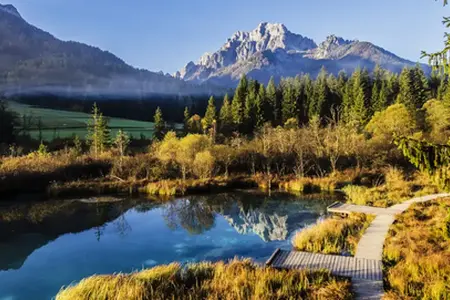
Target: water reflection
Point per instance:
(27, 227)
(56, 243)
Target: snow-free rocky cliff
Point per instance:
(272, 50)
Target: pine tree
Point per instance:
(377, 86)
(434, 83)
(274, 102)
(238, 104)
(375, 97)
(341, 84)
(263, 110)
(226, 117)
(250, 107)
(380, 103)
(359, 112)
(98, 131)
(289, 101)
(347, 99)
(392, 88)
(317, 107)
(186, 117)
(420, 87)
(406, 92)
(309, 94)
(160, 125)
(300, 99)
(210, 117)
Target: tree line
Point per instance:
(296, 101)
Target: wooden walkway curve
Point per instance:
(365, 268)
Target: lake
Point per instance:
(46, 245)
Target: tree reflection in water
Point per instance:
(193, 214)
(272, 217)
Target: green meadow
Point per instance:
(64, 124)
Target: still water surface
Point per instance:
(44, 246)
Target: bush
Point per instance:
(203, 164)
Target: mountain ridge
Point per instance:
(33, 60)
(272, 50)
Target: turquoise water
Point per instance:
(48, 245)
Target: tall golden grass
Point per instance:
(417, 253)
(334, 235)
(230, 281)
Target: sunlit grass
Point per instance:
(233, 280)
(310, 185)
(417, 253)
(334, 235)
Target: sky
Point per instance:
(166, 34)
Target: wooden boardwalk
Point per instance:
(365, 268)
(346, 266)
(345, 208)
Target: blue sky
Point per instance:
(166, 34)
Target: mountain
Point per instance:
(272, 50)
(32, 59)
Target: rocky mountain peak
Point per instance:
(10, 9)
(271, 50)
(333, 40)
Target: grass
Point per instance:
(65, 124)
(35, 173)
(417, 253)
(234, 280)
(180, 187)
(334, 235)
(310, 185)
(395, 189)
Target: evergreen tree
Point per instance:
(209, 120)
(406, 90)
(375, 96)
(186, 117)
(263, 109)
(442, 88)
(317, 105)
(380, 103)
(274, 102)
(420, 87)
(238, 104)
(334, 98)
(98, 131)
(341, 82)
(250, 107)
(434, 83)
(392, 88)
(160, 125)
(377, 83)
(359, 112)
(226, 117)
(289, 100)
(308, 88)
(300, 99)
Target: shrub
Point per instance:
(203, 164)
